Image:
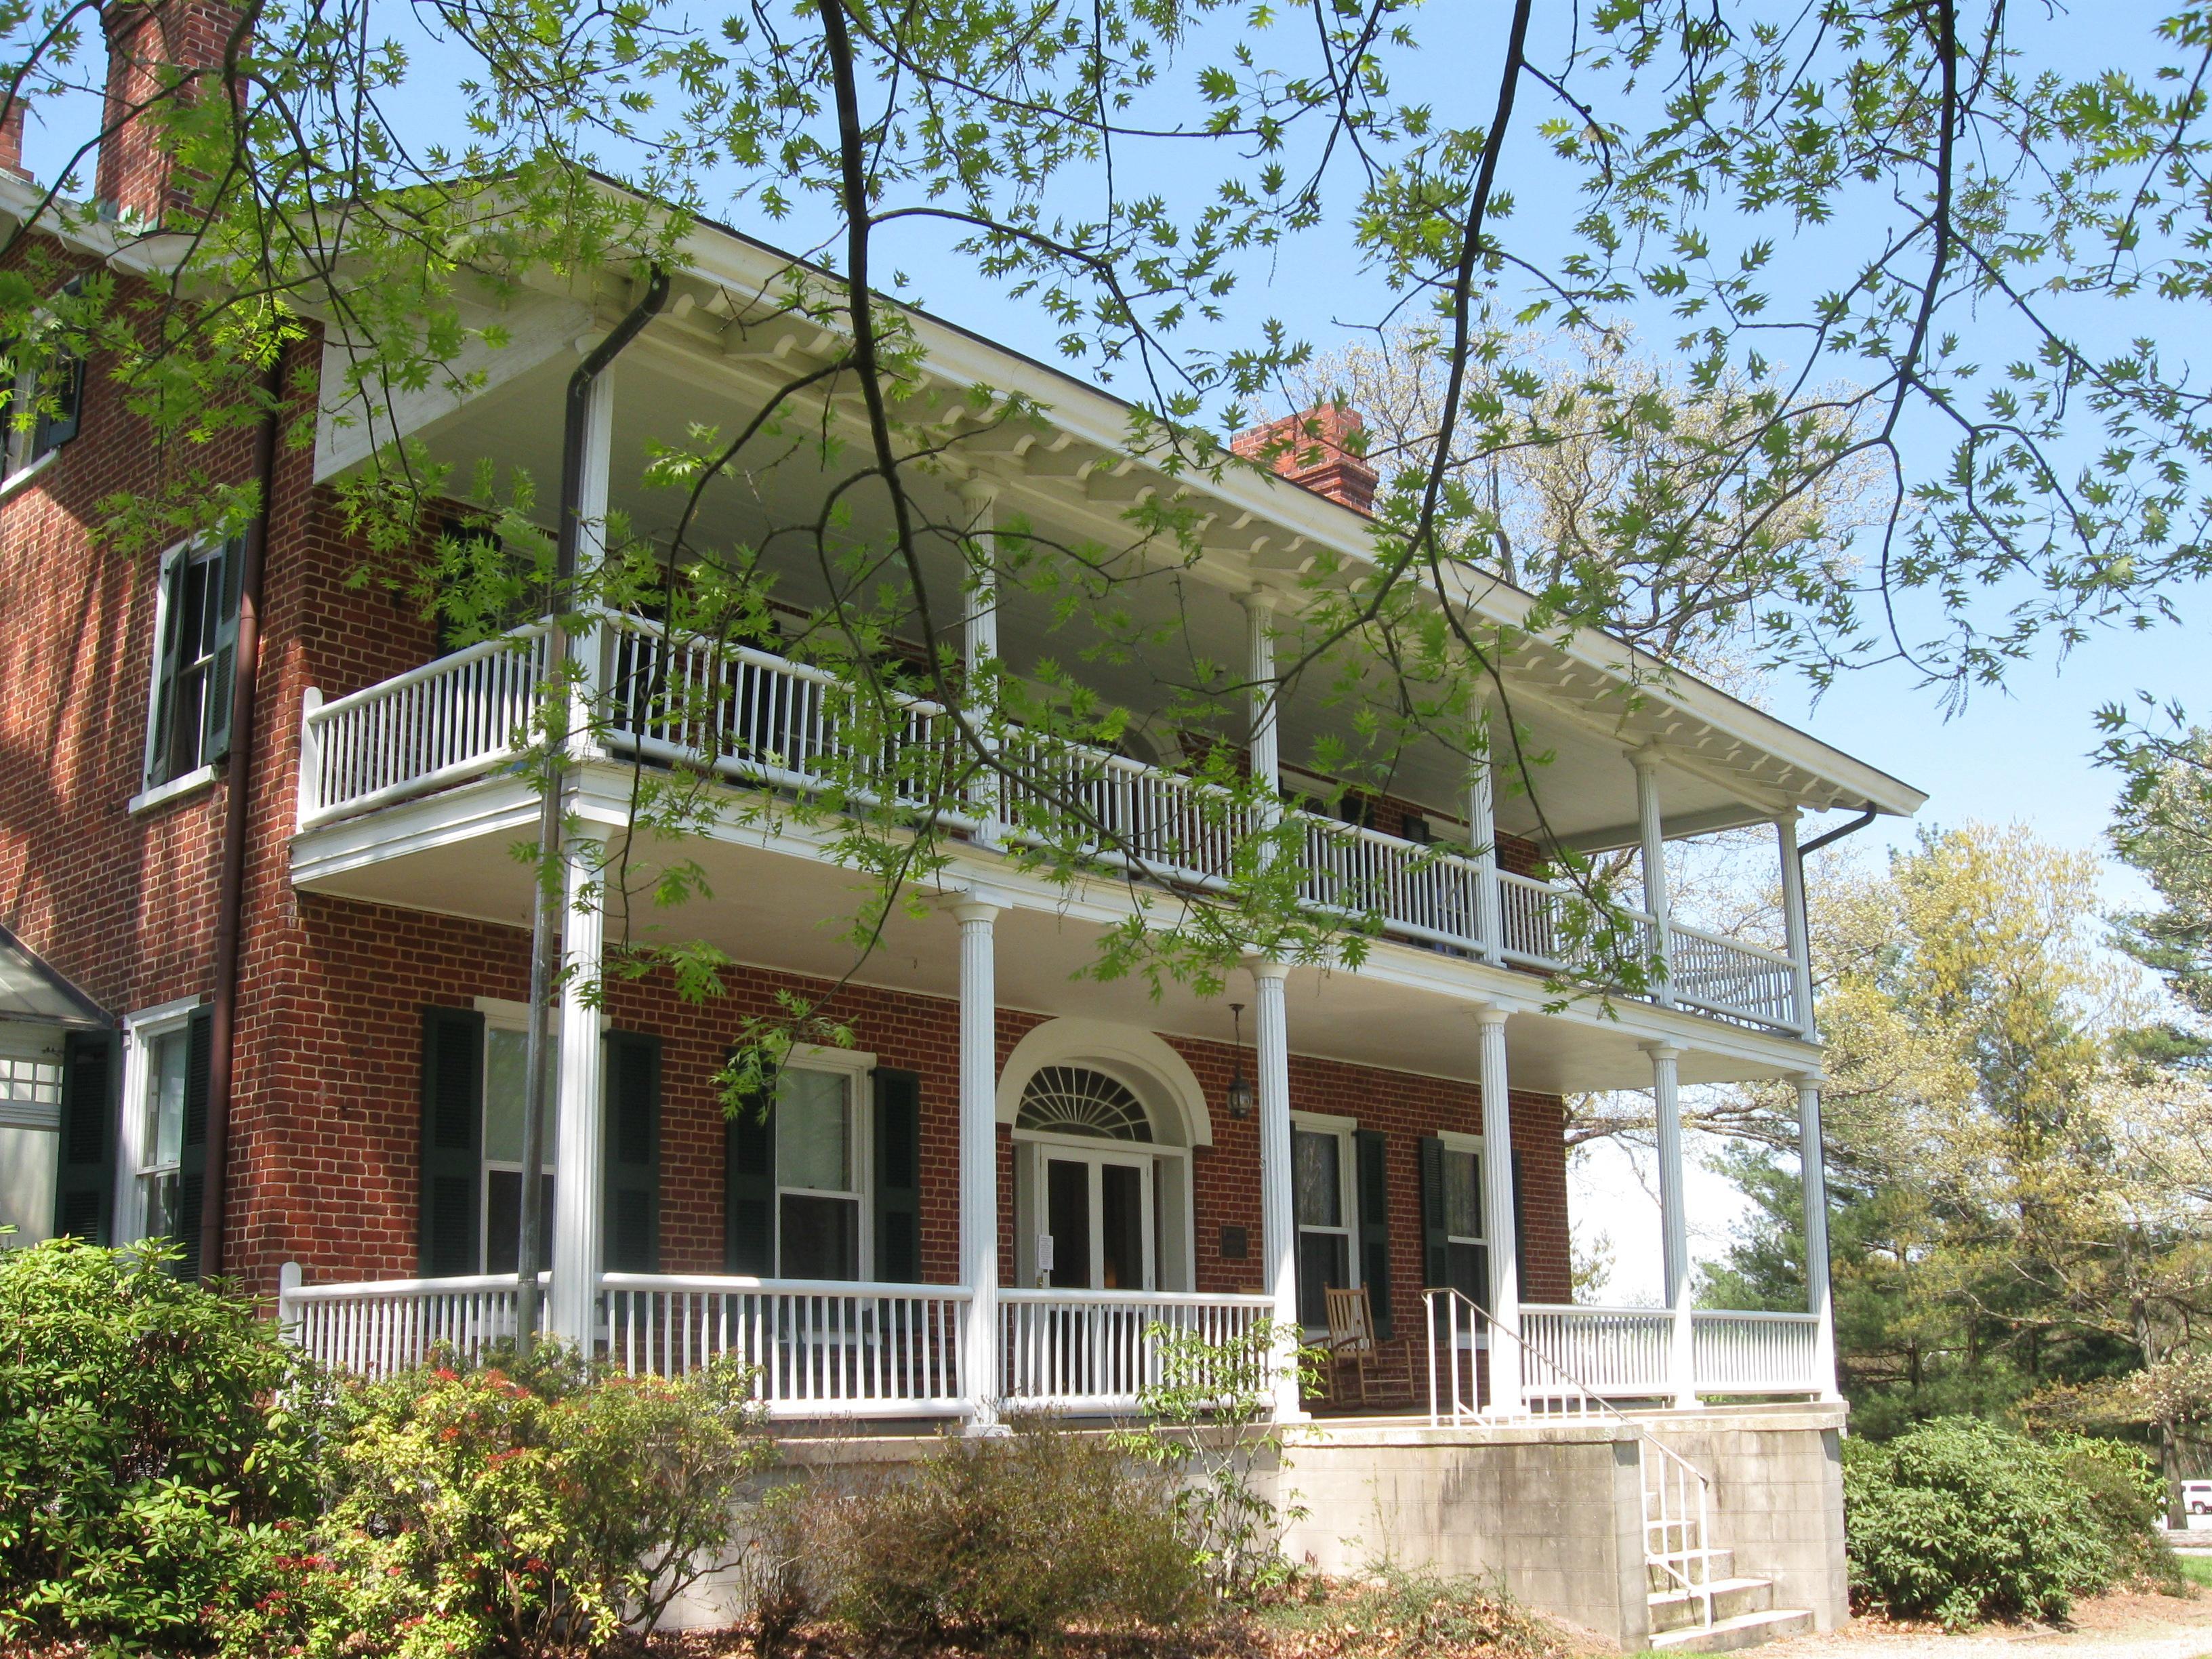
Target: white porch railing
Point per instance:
(454, 719)
(1090, 1350)
(1622, 1354)
(819, 1348)
(1616, 1352)
(387, 1326)
(1756, 1353)
(762, 720)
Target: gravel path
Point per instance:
(2125, 1626)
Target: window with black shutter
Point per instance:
(749, 1187)
(452, 1128)
(92, 1090)
(1456, 1246)
(196, 642)
(43, 400)
(632, 1244)
(898, 1177)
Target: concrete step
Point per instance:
(1671, 1609)
(1702, 1565)
(1746, 1630)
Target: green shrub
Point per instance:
(2126, 1496)
(148, 1473)
(1006, 1541)
(527, 1511)
(1959, 1520)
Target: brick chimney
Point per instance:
(1319, 449)
(150, 44)
(11, 139)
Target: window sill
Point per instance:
(23, 476)
(188, 783)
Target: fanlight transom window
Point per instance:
(1075, 1100)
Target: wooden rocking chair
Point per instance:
(1353, 1345)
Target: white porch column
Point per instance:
(1498, 1215)
(1277, 1219)
(1812, 1174)
(589, 646)
(1260, 669)
(979, 1156)
(1794, 930)
(980, 635)
(1674, 1221)
(1482, 831)
(1654, 865)
(579, 1142)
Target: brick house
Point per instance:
(265, 983)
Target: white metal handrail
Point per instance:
(1677, 1494)
(1094, 1350)
(818, 1347)
(766, 721)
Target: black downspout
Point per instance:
(545, 911)
(230, 891)
(1851, 829)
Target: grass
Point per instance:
(2196, 1569)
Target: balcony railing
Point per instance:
(764, 720)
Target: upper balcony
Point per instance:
(772, 724)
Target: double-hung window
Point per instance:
(1467, 1247)
(1323, 1202)
(160, 1173)
(817, 1175)
(506, 1092)
(196, 640)
(43, 400)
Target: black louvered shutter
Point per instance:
(192, 1152)
(223, 667)
(1375, 1225)
(452, 1141)
(749, 1188)
(898, 1177)
(84, 1185)
(632, 1244)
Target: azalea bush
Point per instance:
(1959, 1520)
(1003, 1542)
(526, 1509)
(157, 1453)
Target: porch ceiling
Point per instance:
(1405, 1009)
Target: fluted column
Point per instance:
(1259, 670)
(1654, 863)
(1277, 1218)
(980, 639)
(1500, 1224)
(1795, 931)
(579, 1140)
(1812, 1174)
(979, 1155)
(1673, 1220)
(1482, 834)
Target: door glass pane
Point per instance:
(1469, 1265)
(1122, 1218)
(821, 1238)
(813, 1139)
(1067, 1217)
(503, 1222)
(1463, 1195)
(1323, 1261)
(506, 1088)
(1314, 1168)
(165, 1110)
(158, 1218)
